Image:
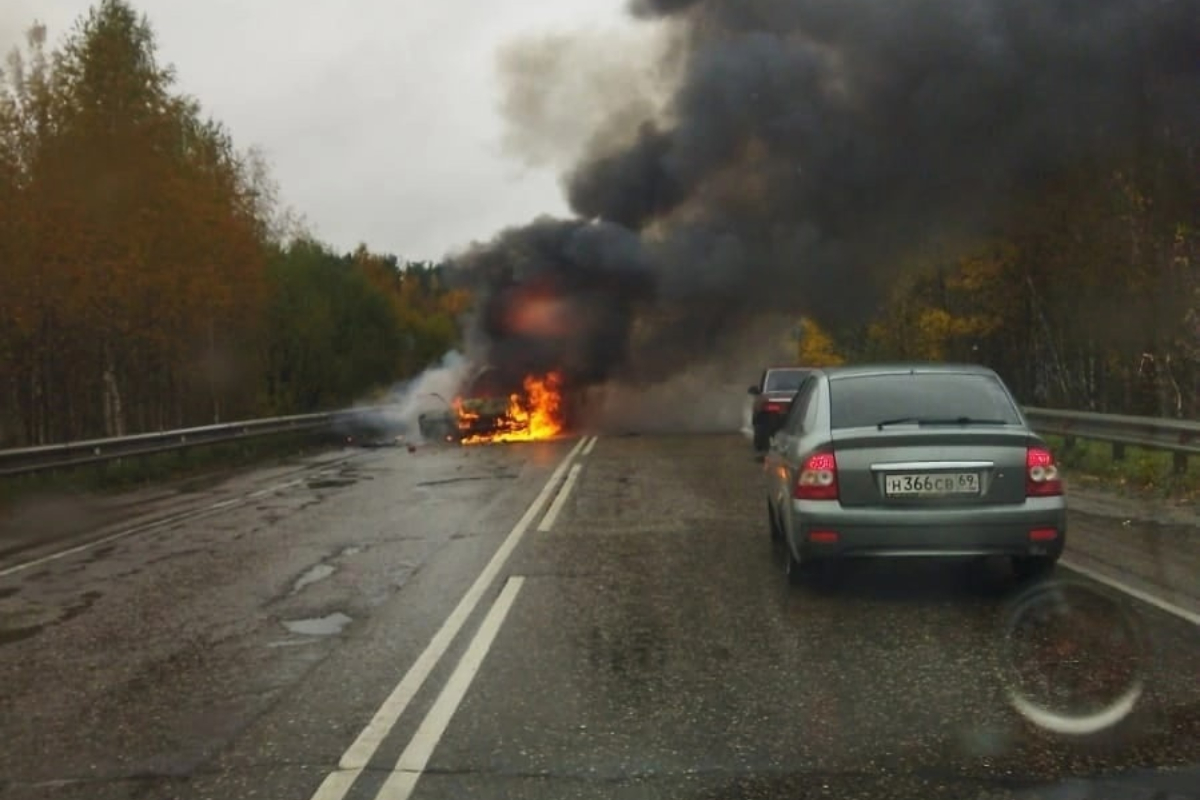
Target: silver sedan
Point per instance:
(926, 460)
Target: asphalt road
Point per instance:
(575, 619)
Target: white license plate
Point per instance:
(931, 485)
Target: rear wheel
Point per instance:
(793, 568)
(1032, 567)
(797, 571)
(821, 574)
(773, 522)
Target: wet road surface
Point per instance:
(627, 632)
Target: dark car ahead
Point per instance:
(772, 397)
(912, 460)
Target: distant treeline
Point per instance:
(1087, 298)
(148, 278)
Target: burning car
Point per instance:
(483, 407)
(493, 407)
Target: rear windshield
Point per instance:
(785, 380)
(856, 402)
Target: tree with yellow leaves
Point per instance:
(816, 348)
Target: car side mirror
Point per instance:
(755, 390)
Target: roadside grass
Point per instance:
(194, 469)
(1142, 472)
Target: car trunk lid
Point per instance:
(932, 466)
(777, 402)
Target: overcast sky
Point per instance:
(379, 116)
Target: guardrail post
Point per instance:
(1118, 451)
(1181, 463)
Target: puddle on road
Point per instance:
(329, 625)
(318, 573)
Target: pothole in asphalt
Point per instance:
(329, 625)
(318, 573)
(21, 620)
(468, 478)
(334, 478)
(330, 483)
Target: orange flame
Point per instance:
(530, 417)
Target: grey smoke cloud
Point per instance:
(653, 8)
(707, 395)
(568, 95)
(808, 145)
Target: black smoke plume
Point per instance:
(561, 295)
(807, 145)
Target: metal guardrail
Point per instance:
(28, 460)
(1180, 437)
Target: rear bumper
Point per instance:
(929, 532)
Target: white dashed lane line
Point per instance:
(559, 501)
(338, 784)
(403, 779)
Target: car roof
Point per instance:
(790, 369)
(905, 368)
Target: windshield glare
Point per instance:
(698, 399)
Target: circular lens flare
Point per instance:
(1072, 658)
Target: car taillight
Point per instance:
(818, 478)
(1041, 474)
(774, 408)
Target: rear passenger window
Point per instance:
(863, 401)
(798, 414)
(785, 380)
(811, 407)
